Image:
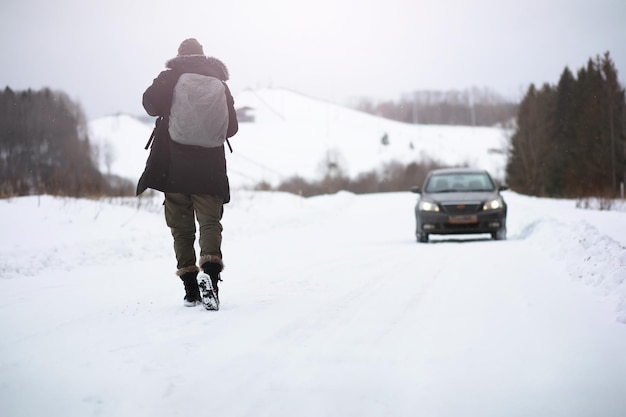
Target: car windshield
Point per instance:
(443, 183)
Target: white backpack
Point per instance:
(199, 113)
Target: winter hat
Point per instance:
(190, 47)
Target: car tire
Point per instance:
(500, 234)
(422, 237)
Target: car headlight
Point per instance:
(494, 204)
(428, 206)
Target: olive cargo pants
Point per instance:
(181, 212)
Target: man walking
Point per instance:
(187, 162)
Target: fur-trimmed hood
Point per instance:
(199, 64)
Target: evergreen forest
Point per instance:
(45, 147)
(570, 137)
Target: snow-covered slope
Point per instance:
(329, 308)
(119, 142)
(293, 135)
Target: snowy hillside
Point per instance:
(292, 135)
(120, 141)
(329, 308)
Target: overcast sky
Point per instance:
(104, 54)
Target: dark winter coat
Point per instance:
(177, 168)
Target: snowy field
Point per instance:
(329, 308)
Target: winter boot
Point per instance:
(192, 291)
(207, 281)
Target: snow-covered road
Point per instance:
(329, 308)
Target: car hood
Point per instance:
(465, 197)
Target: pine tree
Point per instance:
(614, 106)
(564, 149)
(526, 170)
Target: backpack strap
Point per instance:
(152, 136)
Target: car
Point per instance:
(460, 201)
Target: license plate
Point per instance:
(466, 219)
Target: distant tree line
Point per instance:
(570, 138)
(470, 107)
(45, 148)
(392, 177)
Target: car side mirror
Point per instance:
(416, 190)
(503, 188)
